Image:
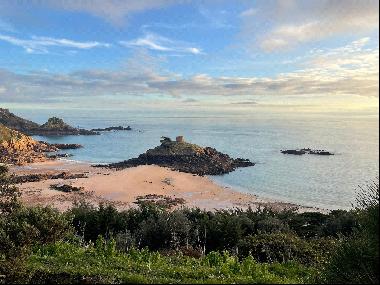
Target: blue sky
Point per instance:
(189, 53)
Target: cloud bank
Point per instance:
(348, 70)
(289, 23)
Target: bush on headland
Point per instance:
(152, 244)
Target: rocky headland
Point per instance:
(17, 148)
(14, 122)
(53, 127)
(185, 157)
(303, 151)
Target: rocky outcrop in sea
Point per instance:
(57, 127)
(119, 128)
(303, 151)
(185, 157)
(63, 145)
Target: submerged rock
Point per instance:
(185, 157)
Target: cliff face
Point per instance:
(17, 148)
(53, 127)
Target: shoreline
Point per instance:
(121, 188)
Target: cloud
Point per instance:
(244, 103)
(40, 44)
(287, 24)
(351, 70)
(248, 13)
(215, 18)
(113, 11)
(190, 100)
(159, 43)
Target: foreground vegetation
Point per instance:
(102, 263)
(152, 244)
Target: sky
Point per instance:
(239, 54)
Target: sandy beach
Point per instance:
(121, 188)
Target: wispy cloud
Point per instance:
(113, 11)
(215, 18)
(159, 43)
(288, 24)
(351, 70)
(41, 44)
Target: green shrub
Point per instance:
(356, 260)
(22, 227)
(9, 193)
(284, 247)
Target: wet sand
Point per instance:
(121, 188)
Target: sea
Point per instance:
(328, 182)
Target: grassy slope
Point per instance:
(70, 263)
(182, 148)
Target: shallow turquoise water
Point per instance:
(327, 182)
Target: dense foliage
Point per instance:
(283, 236)
(151, 244)
(356, 260)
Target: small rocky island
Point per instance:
(119, 128)
(185, 157)
(57, 127)
(303, 151)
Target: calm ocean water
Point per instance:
(327, 182)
